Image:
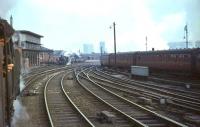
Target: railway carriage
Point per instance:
(111, 60)
(105, 60)
(198, 61)
(175, 60)
(125, 60)
(182, 60)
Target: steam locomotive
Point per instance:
(9, 73)
(62, 60)
(181, 60)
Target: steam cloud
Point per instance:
(5, 6)
(192, 15)
(194, 18)
(21, 84)
(20, 113)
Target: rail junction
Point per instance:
(89, 95)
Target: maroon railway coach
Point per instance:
(182, 60)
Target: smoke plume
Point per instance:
(21, 84)
(5, 6)
(20, 113)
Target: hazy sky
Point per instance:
(67, 24)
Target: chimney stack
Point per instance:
(11, 20)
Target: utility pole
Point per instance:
(186, 35)
(146, 42)
(114, 41)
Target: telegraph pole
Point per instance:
(114, 41)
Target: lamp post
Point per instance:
(146, 42)
(114, 40)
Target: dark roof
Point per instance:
(33, 43)
(30, 33)
(46, 49)
(42, 49)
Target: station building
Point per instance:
(30, 44)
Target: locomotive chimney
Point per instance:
(11, 20)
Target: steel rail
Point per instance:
(164, 87)
(27, 83)
(193, 106)
(139, 84)
(139, 106)
(77, 109)
(148, 95)
(135, 122)
(46, 103)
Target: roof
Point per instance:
(42, 49)
(30, 33)
(46, 49)
(33, 43)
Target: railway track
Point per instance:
(60, 109)
(179, 90)
(36, 76)
(188, 102)
(38, 69)
(169, 83)
(42, 71)
(91, 105)
(140, 115)
(32, 99)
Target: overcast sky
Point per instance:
(67, 24)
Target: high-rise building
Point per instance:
(102, 47)
(88, 48)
